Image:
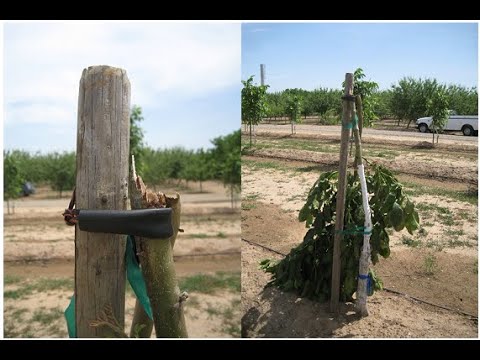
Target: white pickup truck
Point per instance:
(467, 124)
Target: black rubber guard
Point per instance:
(150, 223)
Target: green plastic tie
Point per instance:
(354, 230)
(135, 279)
(353, 123)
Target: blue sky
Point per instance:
(319, 54)
(185, 76)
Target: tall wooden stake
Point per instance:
(102, 183)
(342, 180)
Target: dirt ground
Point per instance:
(438, 264)
(39, 264)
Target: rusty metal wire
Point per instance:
(70, 214)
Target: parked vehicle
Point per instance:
(467, 124)
(28, 189)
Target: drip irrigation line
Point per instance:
(264, 247)
(209, 254)
(429, 303)
(409, 297)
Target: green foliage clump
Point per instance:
(366, 90)
(254, 104)
(307, 269)
(415, 98)
(12, 179)
(137, 147)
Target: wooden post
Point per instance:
(102, 183)
(342, 180)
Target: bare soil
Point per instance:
(38, 245)
(437, 265)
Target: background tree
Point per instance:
(227, 163)
(293, 108)
(254, 104)
(463, 100)
(382, 108)
(437, 107)
(202, 167)
(410, 98)
(61, 171)
(136, 138)
(12, 181)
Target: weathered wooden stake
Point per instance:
(342, 180)
(102, 183)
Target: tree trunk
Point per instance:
(140, 318)
(359, 106)
(156, 258)
(8, 206)
(364, 263)
(250, 134)
(408, 124)
(102, 177)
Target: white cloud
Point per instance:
(44, 62)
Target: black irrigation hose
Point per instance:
(209, 254)
(409, 297)
(429, 303)
(264, 247)
(335, 162)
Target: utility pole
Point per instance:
(262, 74)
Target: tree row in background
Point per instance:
(167, 166)
(172, 165)
(160, 166)
(405, 101)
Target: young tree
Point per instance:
(61, 171)
(366, 90)
(227, 164)
(12, 181)
(254, 103)
(202, 169)
(293, 109)
(409, 98)
(437, 107)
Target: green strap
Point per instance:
(353, 123)
(135, 277)
(354, 230)
(136, 280)
(70, 317)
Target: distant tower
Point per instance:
(262, 74)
